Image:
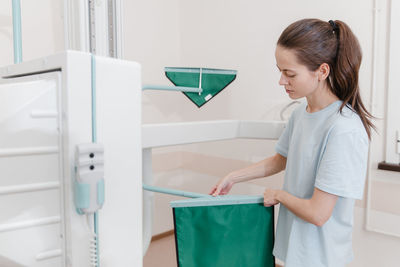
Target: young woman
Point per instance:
(323, 149)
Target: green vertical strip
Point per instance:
(94, 140)
(17, 36)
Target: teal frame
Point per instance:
(17, 36)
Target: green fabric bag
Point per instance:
(212, 81)
(225, 231)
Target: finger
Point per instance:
(217, 191)
(212, 190)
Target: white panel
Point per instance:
(76, 128)
(119, 129)
(30, 171)
(157, 135)
(76, 28)
(393, 96)
(17, 101)
(29, 205)
(169, 134)
(30, 221)
(23, 247)
(385, 223)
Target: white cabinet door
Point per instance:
(31, 230)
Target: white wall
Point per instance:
(42, 29)
(151, 34)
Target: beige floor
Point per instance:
(161, 253)
(4, 262)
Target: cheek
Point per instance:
(306, 83)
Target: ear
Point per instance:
(323, 71)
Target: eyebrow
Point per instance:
(284, 69)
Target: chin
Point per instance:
(293, 96)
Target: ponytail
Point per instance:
(344, 74)
(315, 42)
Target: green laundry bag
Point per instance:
(225, 231)
(212, 81)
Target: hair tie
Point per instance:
(334, 25)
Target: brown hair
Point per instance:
(315, 42)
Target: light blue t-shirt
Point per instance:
(327, 150)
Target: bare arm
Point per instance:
(316, 210)
(264, 168)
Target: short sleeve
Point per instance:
(282, 147)
(343, 166)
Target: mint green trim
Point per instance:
(174, 192)
(203, 70)
(188, 70)
(100, 192)
(217, 201)
(17, 35)
(82, 195)
(172, 88)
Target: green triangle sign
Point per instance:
(212, 81)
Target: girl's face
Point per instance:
(296, 78)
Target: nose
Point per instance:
(283, 80)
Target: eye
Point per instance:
(289, 74)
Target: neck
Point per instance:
(320, 98)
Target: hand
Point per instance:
(270, 197)
(223, 186)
